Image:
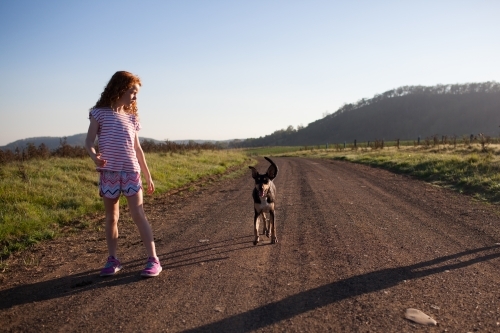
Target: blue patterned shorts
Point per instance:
(114, 183)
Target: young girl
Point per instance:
(114, 120)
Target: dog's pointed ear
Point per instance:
(272, 171)
(255, 173)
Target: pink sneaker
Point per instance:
(153, 268)
(112, 267)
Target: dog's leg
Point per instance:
(272, 226)
(265, 221)
(256, 228)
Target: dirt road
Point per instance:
(357, 247)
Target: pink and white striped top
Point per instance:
(116, 135)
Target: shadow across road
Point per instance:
(343, 289)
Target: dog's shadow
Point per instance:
(207, 251)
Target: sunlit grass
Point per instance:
(38, 197)
(468, 169)
(267, 151)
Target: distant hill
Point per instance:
(50, 141)
(404, 113)
(73, 140)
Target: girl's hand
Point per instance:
(99, 162)
(151, 186)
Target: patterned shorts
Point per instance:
(114, 183)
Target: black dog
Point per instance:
(264, 196)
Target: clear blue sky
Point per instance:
(230, 69)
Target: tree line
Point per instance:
(31, 151)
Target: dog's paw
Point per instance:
(274, 240)
(256, 241)
(266, 232)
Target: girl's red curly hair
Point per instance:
(120, 82)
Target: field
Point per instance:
(41, 198)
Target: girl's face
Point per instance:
(129, 96)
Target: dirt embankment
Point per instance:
(357, 247)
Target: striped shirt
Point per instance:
(116, 137)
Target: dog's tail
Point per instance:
(272, 171)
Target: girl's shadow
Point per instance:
(90, 280)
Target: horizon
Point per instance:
(209, 69)
(227, 140)
(141, 138)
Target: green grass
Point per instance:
(467, 169)
(269, 151)
(38, 197)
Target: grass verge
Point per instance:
(467, 169)
(39, 197)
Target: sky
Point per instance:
(221, 70)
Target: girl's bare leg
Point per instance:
(112, 208)
(135, 204)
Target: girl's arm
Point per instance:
(89, 143)
(144, 166)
